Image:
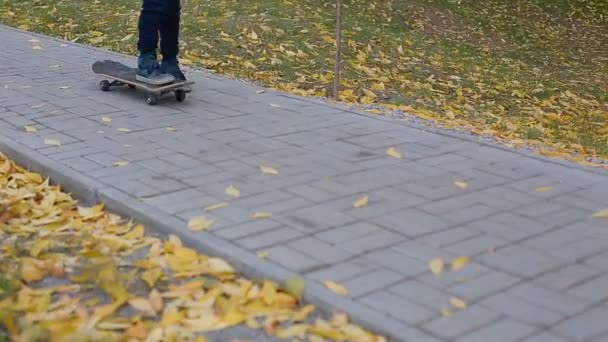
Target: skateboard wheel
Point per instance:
(180, 95)
(104, 85)
(152, 99)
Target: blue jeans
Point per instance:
(159, 16)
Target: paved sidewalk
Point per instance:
(539, 269)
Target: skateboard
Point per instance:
(120, 75)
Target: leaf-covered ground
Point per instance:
(73, 273)
(526, 71)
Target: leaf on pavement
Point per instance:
(543, 189)
(216, 206)
(459, 262)
(601, 214)
(336, 288)
(263, 255)
(393, 152)
(52, 142)
(200, 223)
(462, 185)
(121, 163)
(232, 191)
(361, 202)
(262, 215)
(30, 129)
(436, 266)
(269, 170)
(458, 303)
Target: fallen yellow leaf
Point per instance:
(52, 142)
(262, 215)
(124, 130)
(458, 303)
(295, 286)
(601, 214)
(106, 119)
(447, 313)
(233, 191)
(156, 300)
(361, 202)
(30, 129)
(263, 254)
(336, 288)
(121, 163)
(269, 170)
(462, 185)
(197, 224)
(142, 304)
(216, 206)
(436, 266)
(459, 262)
(393, 152)
(543, 189)
(171, 129)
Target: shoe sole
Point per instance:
(153, 81)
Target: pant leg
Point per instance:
(149, 24)
(169, 30)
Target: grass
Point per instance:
(526, 71)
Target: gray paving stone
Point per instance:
(269, 238)
(485, 285)
(82, 165)
(550, 299)
(586, 325)
(177, 201)
(422, 252)
(522, 310)
(158, 165)
(545, 337)
(462, 322)
(423, 294)
(411, 222)
(592, 290)
(292, 258)
(317, 218)
(103, 158)
(566, 277)
(344, 270)
(504, 330)
(379, 240)
(447, 280)
(397, 262)
(398, 307)
(320, 250)
(522, 261)
(162, 183)
(246, 229)
(348, 232)
(599, 261)
(370, 282)
(476, 245)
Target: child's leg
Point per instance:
(149, 23)
(169, 39)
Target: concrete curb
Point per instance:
(91, 192)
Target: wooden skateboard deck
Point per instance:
(121, 74)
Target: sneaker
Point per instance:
(171, 67)
(148, 70)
